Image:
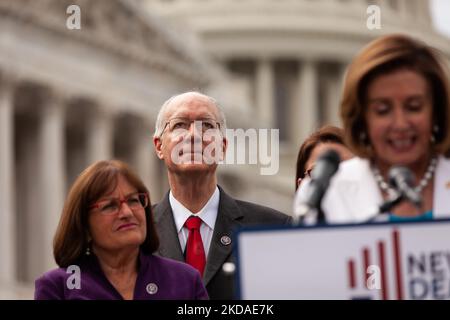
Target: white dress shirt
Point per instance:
(208, 215)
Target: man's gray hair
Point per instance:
(161, 118)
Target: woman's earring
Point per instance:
(363, 138)
(434, 134)
(88, 249)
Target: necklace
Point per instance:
(418, 189)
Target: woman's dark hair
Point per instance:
(326, 134)
(71, 238)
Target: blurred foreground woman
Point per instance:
(396, 112)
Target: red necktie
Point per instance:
(195, 253)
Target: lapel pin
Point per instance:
(225, 240)
(151, 288)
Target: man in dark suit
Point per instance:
(191, 158)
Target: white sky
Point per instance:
(440, 10)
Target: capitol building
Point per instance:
(69, 97)
(287, 60)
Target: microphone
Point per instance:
(401, 178)
(326, 166)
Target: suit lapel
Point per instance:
(165, 224)
(227, 219)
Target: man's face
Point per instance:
(191, 140)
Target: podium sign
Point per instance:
(408, 260)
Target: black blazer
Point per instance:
(232, 213)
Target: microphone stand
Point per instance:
(390, 203)
(303, 211)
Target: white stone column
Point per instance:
(305, 116)
(147, 161)
(52, 169)
(334, 97)
(7, 212)
(403, 8)
(342, 73)
(423, 11)
(331, 100)
(100, 136)
(265, 93)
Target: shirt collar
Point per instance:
(208, 213)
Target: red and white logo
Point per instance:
(373, 276)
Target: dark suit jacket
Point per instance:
(232, 213)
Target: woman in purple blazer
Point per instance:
(105, 241)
